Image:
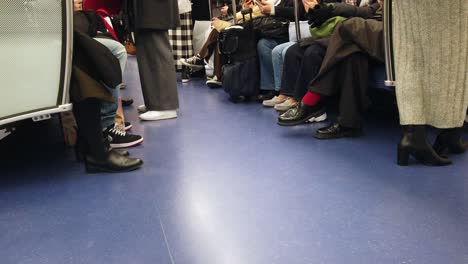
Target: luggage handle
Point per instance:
(245, 12)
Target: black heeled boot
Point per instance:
(300, 114)
(414, 143)
(450, 140)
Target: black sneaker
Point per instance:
(301, 113)
(128, 126)
(127, 101)
(121, 139)
(194, 62)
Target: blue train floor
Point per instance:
(223, 184)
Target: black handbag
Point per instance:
(271, 27)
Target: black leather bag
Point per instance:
(271, 27)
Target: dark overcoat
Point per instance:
(93, 64)
(156, 14)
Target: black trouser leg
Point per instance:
(292, 63)
(88, 118)
(354, 76)
(310, 67)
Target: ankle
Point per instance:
(311, 99)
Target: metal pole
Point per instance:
(388, 39)
(234, 11)
(209, 8)
(296, 21)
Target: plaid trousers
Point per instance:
(181, 39)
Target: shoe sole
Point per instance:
(127, 145)
(199, 67)
(271, 105)
(302, 121)
(163, 117)
(353, 134)
(214, 85)
(318, 118)
(185, 80)
(93, 169)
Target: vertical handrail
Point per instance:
(69, 51)
(296, 21)
(388, 39)
(210, 9)
(234, 11)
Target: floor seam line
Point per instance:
(166, 241)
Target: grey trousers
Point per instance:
(157, 70)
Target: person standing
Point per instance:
(431, 74)
(152, 19)
(181, 38)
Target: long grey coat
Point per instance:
(156, 14)
(431, 59)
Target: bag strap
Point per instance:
(102, 13)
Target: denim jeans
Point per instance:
(278, 54)
(264, 48)
(108, 110)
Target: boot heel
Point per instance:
(78, 154)
(403, 156)
(439, 146)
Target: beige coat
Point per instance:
(431, 59)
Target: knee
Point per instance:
(278, 51)
(314, 53)
(121, 52)
(263, 48)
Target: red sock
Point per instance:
(311, 98)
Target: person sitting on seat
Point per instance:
(112, 116)
(303, 60)
(94, 68)
(344, 72)
(210, 47)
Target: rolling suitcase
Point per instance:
(238, 47)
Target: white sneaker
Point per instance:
(284, 106)
(158, 115)
(321, 118)
(274, 101)
(141, 108)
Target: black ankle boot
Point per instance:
(300, 114)
(414, 143)
(114, 162)
(81, 150)
(450, 140)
